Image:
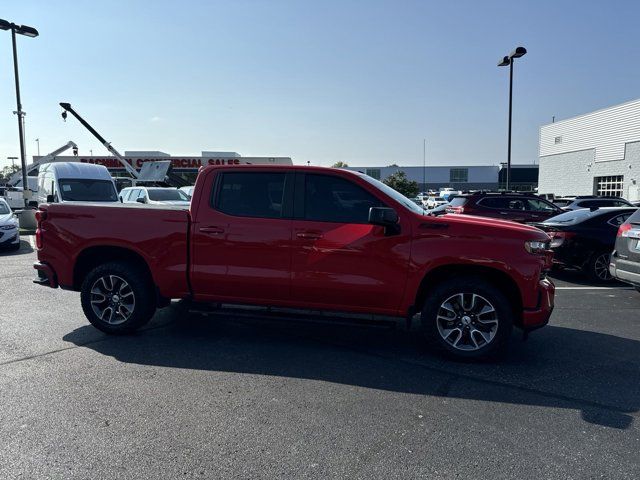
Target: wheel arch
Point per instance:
(492, 275)
(91, 257)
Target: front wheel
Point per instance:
(468, 318)
(117, 298)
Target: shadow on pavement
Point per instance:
(25, 247)
(592, 373)
(577, 277)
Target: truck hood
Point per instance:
(511, 229)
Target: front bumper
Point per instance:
(10, 237)
(46, 275)
(539, 316)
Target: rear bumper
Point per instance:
(46, 276)
(618, 270)
(539, 316)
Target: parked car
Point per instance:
(625, 259)
(307, 238)
(517, 207)
(9, 230)
(585, 238)
(154, 195)
(594, 201)
(74, 182)
(433, 202)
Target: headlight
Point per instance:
(536, 246)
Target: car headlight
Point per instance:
(536, 246)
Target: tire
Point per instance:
(15, 247)
(481, 319)
(128, 296)
(597, 268)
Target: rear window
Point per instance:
(575, 216)
(4, 208)
(635, 218)
(168, 194)
(495, 202)
(87, 190)
(250, 194)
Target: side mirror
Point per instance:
(141, 200)
(385, 217)
(51, 198)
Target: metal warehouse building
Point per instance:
(457, 177)
(593, 154)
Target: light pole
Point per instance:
(424, 165)
(508, 60)
(38, 142)
(28, 32)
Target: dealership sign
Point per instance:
(178, 163)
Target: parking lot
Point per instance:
(200, 397)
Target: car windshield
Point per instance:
(87, 190)
(397, 196)
(4, 208)
(167, 194)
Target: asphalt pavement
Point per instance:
(224, 397)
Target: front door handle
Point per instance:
(212, 230)
(309, 235)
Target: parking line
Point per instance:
(31, 241)
(594, 288)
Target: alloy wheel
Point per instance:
(467, 321)
(112, 299)
(601, 267)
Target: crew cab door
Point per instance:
(339, 260)
(241, 237)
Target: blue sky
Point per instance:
(357, 81)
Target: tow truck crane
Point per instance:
(155, 172)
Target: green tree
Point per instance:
(399, 181)
(340, 164)
(7, 171)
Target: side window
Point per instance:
(539, 206)
(133, 194)
(334, 199)
(516, 204)
(142, 193)
(251, 194)
(495, 202)
(619, 203)
(619, 219)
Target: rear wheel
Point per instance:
(597, 267)
(117, 298)
(468, 318)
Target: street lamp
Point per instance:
(508, 61)
(38, 142)
(27, 32)
(13, 164)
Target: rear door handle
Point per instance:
(309, 235)
(212, 230)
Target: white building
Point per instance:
(593, 154)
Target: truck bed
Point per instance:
(158, 234)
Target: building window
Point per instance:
(612, 186)
(459, 175)
(373, 173)
(557, 140)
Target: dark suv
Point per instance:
(625, 259)
(594, 201)
(517, 207)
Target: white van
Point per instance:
(75, 182)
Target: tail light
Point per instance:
(454, 210)
(558, 238)
(41, 216)
(624, 230)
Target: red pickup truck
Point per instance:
(301, 237)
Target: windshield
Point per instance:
(4, 208)
(87, 190)
(167, 194)
(397, 196)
